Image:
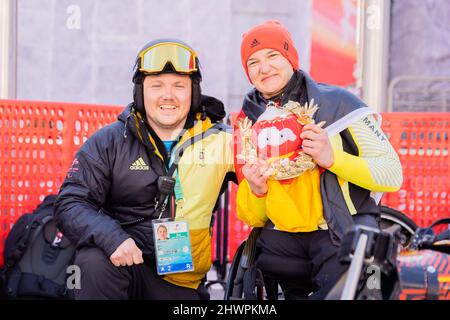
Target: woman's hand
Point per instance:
(257, 174)
(317, 145)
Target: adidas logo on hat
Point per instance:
(254, 43)
(139, 164)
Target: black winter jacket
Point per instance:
(101, 191)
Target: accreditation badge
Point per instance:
(172, 246)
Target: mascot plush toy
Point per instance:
(275, 137)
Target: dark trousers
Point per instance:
(101, 280)
(303, 262)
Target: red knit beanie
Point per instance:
(268, 35)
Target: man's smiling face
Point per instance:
(167, 99)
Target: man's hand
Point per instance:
(317, 145)
(257, 174)
(127, 254)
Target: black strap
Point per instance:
(249, 283)
(34, 286)
(216, 128)
(425, 237)
(440, 221)
(432, 283)
(24, 242)
(445, 235)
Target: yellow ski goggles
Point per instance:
(154, 58)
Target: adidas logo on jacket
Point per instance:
(139, 164)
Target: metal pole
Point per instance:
(8, 49)
(225, 230)
(373, 51)
(354, 272)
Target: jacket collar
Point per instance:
(296, 89)
(140, 129)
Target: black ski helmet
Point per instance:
(138, 78)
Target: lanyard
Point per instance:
(178, 190)
(172, 172)
(176, 155)
(175, 158)
(173, 168)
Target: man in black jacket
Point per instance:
(123, 178)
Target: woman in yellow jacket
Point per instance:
(311, 166)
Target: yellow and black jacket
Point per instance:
(113, 181)
(364, 163)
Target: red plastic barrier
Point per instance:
(422, 143)
(37, 143)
